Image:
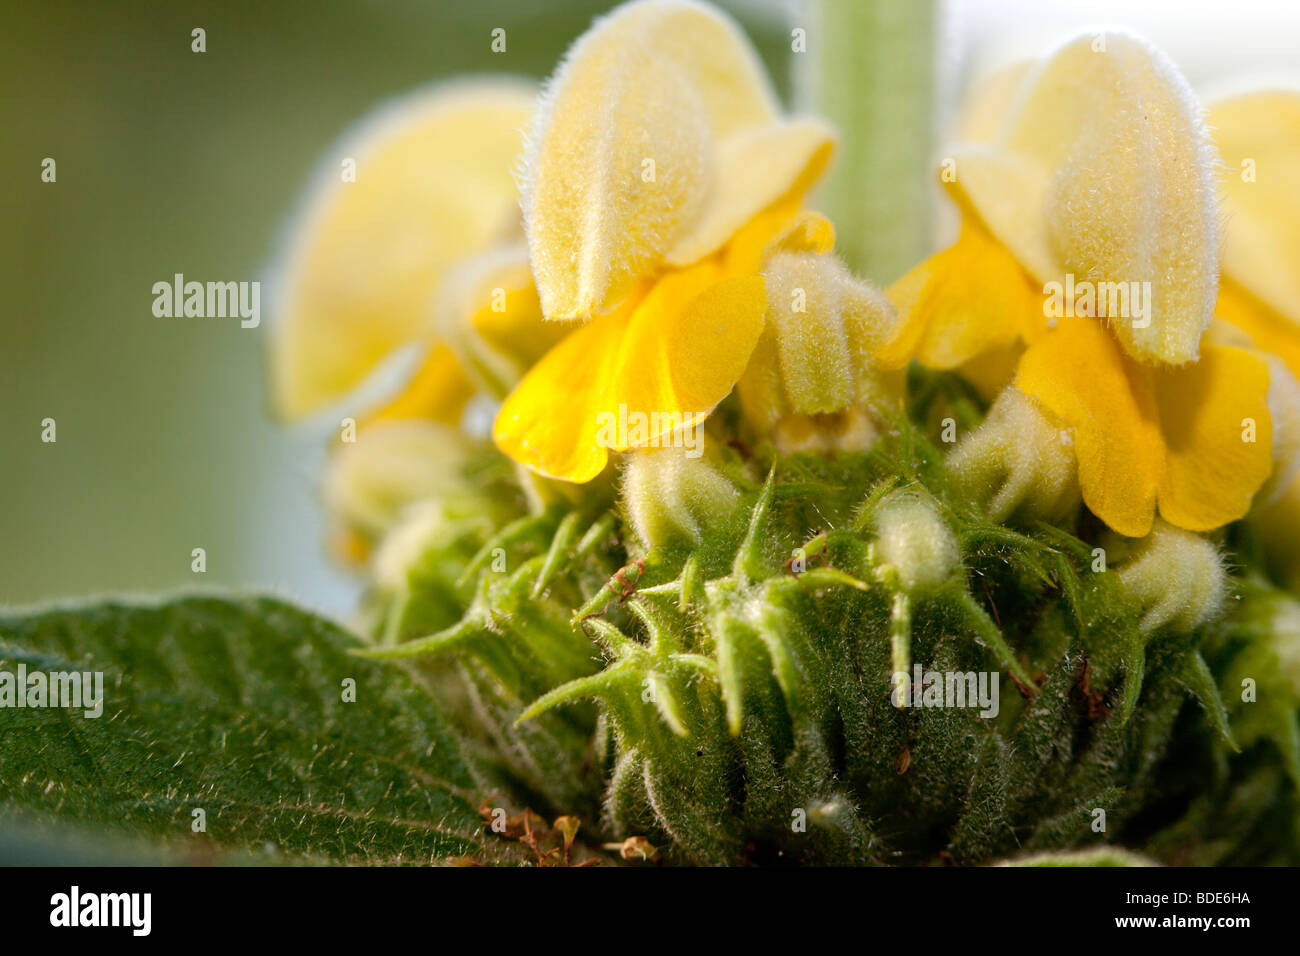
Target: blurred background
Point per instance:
(171, 161)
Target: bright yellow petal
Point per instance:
(551, 420)
(807, 232)
(437, 392)
(1107, 149)
(1079, 374)
(1247, 321)
(780, 224)
(760, 390)
(990, 372)
(757, 167)
(967, 301)
(433, 183)
(1211, 470)
(1258, 136)
(488, 312)
(624, 154)
(688, 343)
(676, 351)
(1267, 328)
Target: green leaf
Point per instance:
(235, 707)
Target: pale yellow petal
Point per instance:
(1258, 136)
(707, 46)
(757, 167)
(1108, 149)
(989, 104)
(623, 156)
(1006, 195)
(432, 184)
(391, 465)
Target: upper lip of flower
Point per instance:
(432, 184)
(1104, 170)
(657, 167)
(1258, 135)
(1157, 415)
(657, 138)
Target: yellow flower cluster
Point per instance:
(1086, 278)
(664, 257)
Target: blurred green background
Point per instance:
(172, 161)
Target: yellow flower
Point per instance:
(1258, 135)
(1087, 263)
(410, 236)
(372, 483)
(414, 189)
(658, 168)
(811, 384)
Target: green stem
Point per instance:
(869, 68)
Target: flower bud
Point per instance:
(1176, 577)
(811, 383)
(913, 539)
(667, 494)
(1017, 462)
(426, 524)
(391, 465)
(853, 429)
